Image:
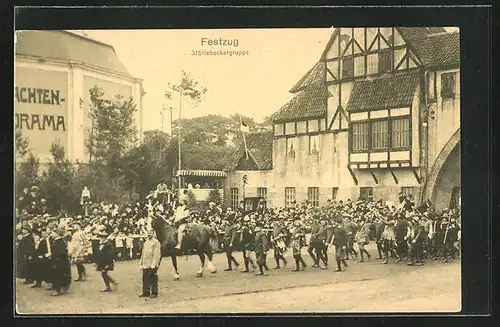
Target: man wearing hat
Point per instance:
(296, 246)
(80, 243)
(315, 228)
(340, 241)
(229, 240)
(181, 216)
(248, 239)
(350, 228)
(278, 238)
(44, 255)
(262, 245)
(105, 259)
(416, 240)
(450, 237)
(61, 267)
(149, 263)
(400, 232)
(362, 237)
(26, 247)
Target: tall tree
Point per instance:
(147, 164)
(58, 183)
(195, 92)
(27, 175)
(21, 145)
(113, 130)
(112, 137)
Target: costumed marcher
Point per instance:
(247, 240)
(340, 241)
(34, 271)
(451, 236)
(25, 248)
(362, 238)
(278, 239)
(378, 230)
(45, 254)
(401, 229)
(61, 266)
(80, 244)
(229, 241)
(105, 259)
(387, 237)
(181, 216)
(296, 245)
(350, 228)
(262, 245)
(314, 242)
(416, 241)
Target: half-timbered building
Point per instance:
(376, 116)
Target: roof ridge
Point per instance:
(442, 33)
(87, 38)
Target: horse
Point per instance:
(197, 238)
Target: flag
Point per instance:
(244, 127)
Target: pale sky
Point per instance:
(255, 85)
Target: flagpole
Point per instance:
(244, 139)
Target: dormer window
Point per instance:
(448, 85)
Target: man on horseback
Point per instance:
(181, 215)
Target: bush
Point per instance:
(214, 196)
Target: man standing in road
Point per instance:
(149, 263)
(261, 247)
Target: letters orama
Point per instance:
(152, 180)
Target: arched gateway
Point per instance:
(444, 180)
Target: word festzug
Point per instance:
(40, 96)
(40, 122)
(219, 41)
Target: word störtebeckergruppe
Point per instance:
(47, 245)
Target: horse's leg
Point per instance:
(211, 265)
(174, 264)
(202, 259)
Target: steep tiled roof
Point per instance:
(442, 50)
(314, 74)
(66, 46)
(388, 92)
(416, 36)
(260, 148)
(434, 46)
(309, 103)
